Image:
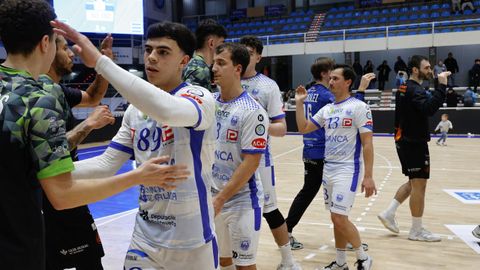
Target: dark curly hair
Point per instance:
(178, 32)
(23, 23)
(252, 42)
(208, 28)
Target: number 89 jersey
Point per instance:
(242, 126)
(343, 123)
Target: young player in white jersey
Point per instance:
(266, 92)
(241, 139)
(173, 229)
(348, 130)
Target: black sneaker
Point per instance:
(364, 264)
(335, 266)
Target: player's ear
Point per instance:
(185, 60)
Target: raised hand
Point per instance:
(300, 94)
(106, 46)
(443, 77)
(100, 117)
(83, 46)
(152, 173)
(366, 81)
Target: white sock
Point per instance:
(361, 254)
(417, 223)
(230, 267)
(392, 208)
(341, 258)
(289, 234)
(286, 252)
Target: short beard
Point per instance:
(424, 77)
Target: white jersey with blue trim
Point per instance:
(182, 218)
(267, 93)
(343, 123)
(242, 126)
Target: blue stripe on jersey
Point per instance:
(180, 86)
(138, 252)
(196, 139)
(356, 162)
(121, 147)
(273, 176)
(267, 156)
(336, 103)
(198, 110)
(369, 127)
(315, 122)
(256, 207)
(258, 218)
(280, 116)
(215, 252)
(253, 151)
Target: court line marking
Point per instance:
(118, 216)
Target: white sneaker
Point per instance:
(364, 264)
(476, 231)
(334, 266)
(423, 235)
(389, 222)
(293, 266)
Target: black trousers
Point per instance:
(311, 185)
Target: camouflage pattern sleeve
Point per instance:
(197, 72)
(47, 135)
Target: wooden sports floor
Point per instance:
(455, 166)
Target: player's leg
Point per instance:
(224, 242)
(311, 185)
(274, 217)
(203, 257)
(244, 229)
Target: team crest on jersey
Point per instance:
(234, 120)
(232, 135)
(255, 92)
(260, 130)
(260, 143)
(339, 197)
(347, 122)
(369, 115)
(349, 112)
(245, 244)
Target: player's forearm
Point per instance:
(300, 117)
(278, 128)
(78, 134)
(96, 91)
(239, 178)
(151, 100)
(368, 158)
(104, 165)
(67, 193)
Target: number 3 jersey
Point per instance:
(343, 123)
(182, 218)
(242, 126)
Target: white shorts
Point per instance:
(238, 234)
(141, 256)
(340, 184)
(267, 175)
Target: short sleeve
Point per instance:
(47, 137)
(123, 140)
(204, 103)
(275, 104)
(318, 118)
(72, 95)
(254, 132)
(363, 118)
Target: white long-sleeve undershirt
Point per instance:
(151, 100)
(104, 165)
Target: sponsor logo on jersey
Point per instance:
(192, 96)
(259, 143)
(223, 155)
(347, 122)
(339, 197)
(369, 123)
(222, 114)
(369, 114)
(260, 130)
(232, 135)
(336, 138)
(334, 110)
(167, 133)
(260, 118)
(195, 92)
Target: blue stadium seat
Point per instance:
(286, 28)
(435, 6)
(457, 29)
(376, 12)
(297, 20)
(328, 24)
(403, 18)
(281, 21)
(366, 13)
(415, 8)
(363, 21)
(383, 20)
(342, 8)
(446, 5)
(231, 33)
(306, 19)
(373, 21)
(336, 24)
(258, 23)
(350, 8)
(413, 17)
(385, 11)
(434, 15)
(424, 16)
(247, 32)
(394, 10)
(468, 12)
(445, 13)
(261, 30)
(424, 8)
(330, 16)
(346, 23)
(270, 29)
(294, 27)
(404, 9)
(354, 22)
(303, 27)
(251, 24)
(393, 19)
(339, 16)
(445, 30)
(348, 15)
(423, 32)
(333, 9)
(290, 20)
(243, 24)
(309, 12)
(469, 28)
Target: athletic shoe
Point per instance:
(364, 264)
(349, 247)
(294, 244)
(423, 235)
(335, 266)
(293, 266)
(389, 222)
(438, 143)
(476, 231)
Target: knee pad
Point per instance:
(274, 219)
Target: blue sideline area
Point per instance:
(122, 202)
